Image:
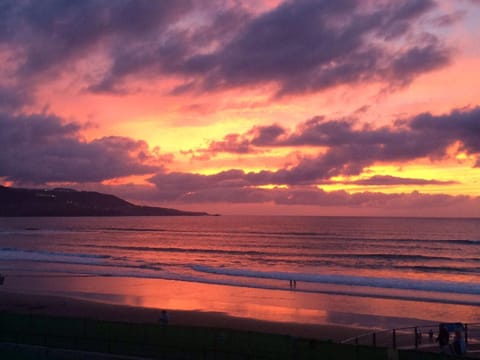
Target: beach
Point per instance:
(71, 307)
(290, 306)
(315, 278)
(137, 330)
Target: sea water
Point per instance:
(432, 262)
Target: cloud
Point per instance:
(249, 143)
(301, 46)
(54, 32)
(167, 52)
(449, 19)
(173, 186)
(307, 46)
(231, 143)
(237, 187)
(13, 98)
(348, 149)
(370, 199)
(459, 125)
(50, 38)
(42, 148)
(264, 135)
(388, 180)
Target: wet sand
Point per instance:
(65, 306)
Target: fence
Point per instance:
(177, 342)
(168, 342)
(417, 338)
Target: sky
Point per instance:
(264, 107)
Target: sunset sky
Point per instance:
(246, 107)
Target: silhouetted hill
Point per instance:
(68, 202)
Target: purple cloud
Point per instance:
(349, 150)
(393, 180)
(307, 46)
(240, 187)
(248, 143)
(266, 134)
(170, 52)
(42, 148)
(231, 143)
(48, 38)
(449, 19)
(302, 46)
(463, 126)
(236, 187)
(54, 32)
(13, 98)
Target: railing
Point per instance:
(163, 342)
(416, 337)
(182, 342)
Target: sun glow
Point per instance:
(272, 186)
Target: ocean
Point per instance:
(330, 269)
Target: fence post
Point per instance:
(215, 345)
(374, 338)
(356, 340)
(84, 333)
(394, 339)
(466, 334)
(416, 337)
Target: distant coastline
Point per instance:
(18, 202)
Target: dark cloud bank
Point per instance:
(347, 151)
(350, 149)
(38, 149)
(301, 46)
(42, 149)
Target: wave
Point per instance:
(442, 269)
(411, 257)
(49, 256)
(303, 239)
(240, 232)
(134, 229)
(301, 234)
(311, 256)
(37, 232)
(97, 261)
(375, 261)
(175, 249)
(376, 282)
(106, 265)
(464, 242)
(360, 291)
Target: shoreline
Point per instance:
(249, 304)
(54, 305)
